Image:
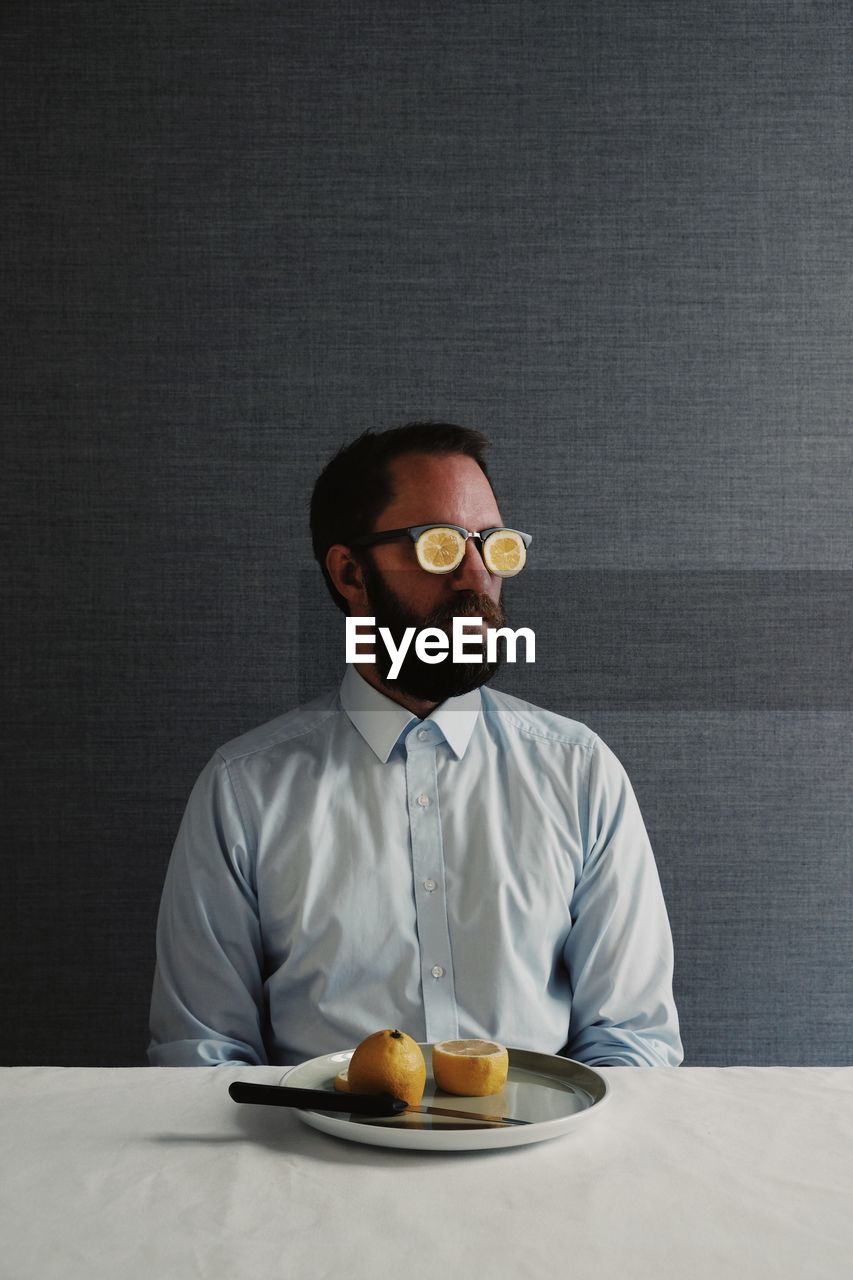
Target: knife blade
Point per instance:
(367, 1105)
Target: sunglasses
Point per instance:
(440, 547)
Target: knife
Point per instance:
(357, 1104)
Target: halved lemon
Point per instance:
(439, 550)
(504, 553)
(472, 1068)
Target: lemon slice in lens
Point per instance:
(439, 550)
(504, 553)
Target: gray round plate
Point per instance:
(554, 1094)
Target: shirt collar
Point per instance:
(381, 721)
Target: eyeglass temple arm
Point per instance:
(370, 539)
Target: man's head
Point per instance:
(422, 473)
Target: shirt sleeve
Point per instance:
(208, 998)
(619, 948)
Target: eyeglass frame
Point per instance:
(414, 531)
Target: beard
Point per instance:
(431, 682)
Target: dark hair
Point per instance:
(355, 486)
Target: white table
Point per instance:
(732, 1173)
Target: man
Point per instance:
(420, 852)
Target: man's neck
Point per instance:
(367, 670)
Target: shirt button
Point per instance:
(423, 800)
(437, 971)
(429, 885)
(423, 734)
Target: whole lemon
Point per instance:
(388, 1061)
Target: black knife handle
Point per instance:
(274, 1095)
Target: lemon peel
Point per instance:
(388, 1061)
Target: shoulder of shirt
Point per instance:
(537, 722)
(294, 724)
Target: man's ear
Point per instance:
(347, 575)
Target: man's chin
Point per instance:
(430, 685)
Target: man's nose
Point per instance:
(472, 574)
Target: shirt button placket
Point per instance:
(437, 984)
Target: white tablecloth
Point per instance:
(736, 1173)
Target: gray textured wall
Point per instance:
(615, 236)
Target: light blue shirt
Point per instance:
(483, 872)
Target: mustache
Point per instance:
(472, 605)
